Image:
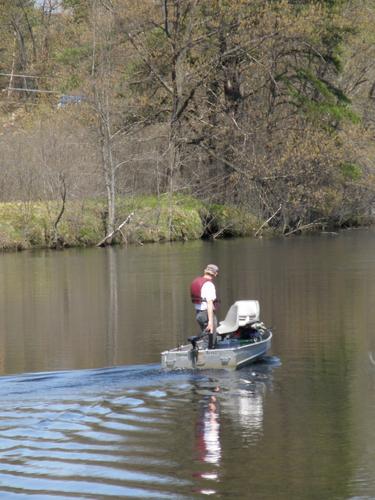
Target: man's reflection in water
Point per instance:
(211, 433)
(208, 440)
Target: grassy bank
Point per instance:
(32, 224)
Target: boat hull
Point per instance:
(223, 357)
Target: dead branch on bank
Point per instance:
(268, 220)
(117, 230)
(306, 226)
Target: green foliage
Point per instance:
(162, 218)
(334, 112)
(156, 39)
(331, 103)
(330, 3)
(231, 221)
(72, 82)
(72, 56)
(80, 8)
(351, 171)
(133, 69)
(326, 89)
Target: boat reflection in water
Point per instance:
(239, 397)
(247, 408)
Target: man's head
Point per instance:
(212, 270)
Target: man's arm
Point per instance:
(210, 314)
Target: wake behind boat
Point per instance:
(242, 339)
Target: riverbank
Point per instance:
(26, 225)
(43, 224)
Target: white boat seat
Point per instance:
(241, 313)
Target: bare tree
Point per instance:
(103, 101)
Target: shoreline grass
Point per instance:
(26, 225)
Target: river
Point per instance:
(88, 413)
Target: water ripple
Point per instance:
(116, 433)
(92, 432)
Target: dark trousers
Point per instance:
(202, 319)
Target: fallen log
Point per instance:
(118, 229)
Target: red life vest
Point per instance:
(196, 289)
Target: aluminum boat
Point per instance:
(241, 339)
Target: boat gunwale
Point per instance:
(221, 349)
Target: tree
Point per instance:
(254, 103)
(18, 19)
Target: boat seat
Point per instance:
(241, 313)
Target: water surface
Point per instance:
(87, 411)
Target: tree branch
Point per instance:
(118, 229)
(148, 64)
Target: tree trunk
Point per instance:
(108, 170)
(11, 78)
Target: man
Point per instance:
(203, 296)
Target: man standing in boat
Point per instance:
(203, 296)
